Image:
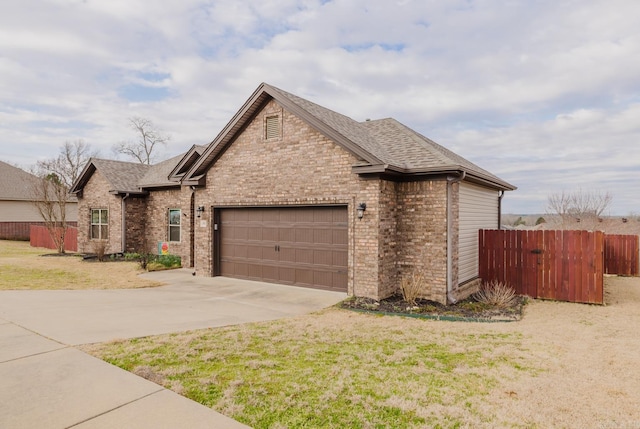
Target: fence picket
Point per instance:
(560, 265)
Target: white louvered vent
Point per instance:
(272, 127)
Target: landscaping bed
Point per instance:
(469, 309)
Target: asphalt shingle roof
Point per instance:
(158, 174)
(389, 142)
(15, 183)
(122, 176)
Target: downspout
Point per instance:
(500, 209)
(450, 182)
(124, 223)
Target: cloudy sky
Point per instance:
(545, 94)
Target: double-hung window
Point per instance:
(174, 224)
(99, 224)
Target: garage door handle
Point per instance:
(277, 249)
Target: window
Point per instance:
(99, 224)
(174, 224)
(272, 127)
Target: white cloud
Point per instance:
(542, 93)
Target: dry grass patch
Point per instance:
(24, 267)
(332, 369)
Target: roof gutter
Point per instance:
(500, 209)
(450, 181)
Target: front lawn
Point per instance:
(25, 267)
(333, 369)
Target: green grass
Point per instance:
(23, 267)
(320, 372)
(37, 278)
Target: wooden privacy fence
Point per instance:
(560, 265)
(39, 237)
(621, 255)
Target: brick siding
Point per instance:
(422, 234)
(158, 204)
(96, 196)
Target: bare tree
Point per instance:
(50, 187)
(579, 206)
(50, 197)
(149, 138)
(69, 163)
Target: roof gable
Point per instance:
(123, 177)
(187, 161)
(383, 146)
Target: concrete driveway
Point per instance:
(45, 382)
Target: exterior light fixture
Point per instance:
(360, 210)
(200, 210)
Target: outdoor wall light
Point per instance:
(360, 210)
(200, 210)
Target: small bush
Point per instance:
(497, 294)
(100, 249)
(169, 261)
(411, 286)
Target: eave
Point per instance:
(408, 174)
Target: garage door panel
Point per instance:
(323, 278)
(304, 215)
(286, 235)
(248, 233)
(287, 255)
(270, 233)
(340, 258)
(304, 235)
(303, 277)
(270, 273)
(304, 256)
(269, 253)
(253, 252)
(287, 275)
(305, 246)
(322, 236)
(339, 236)
(323, 257)
(239, 251)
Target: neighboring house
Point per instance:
(17, 209)
(133, 207)
(291, 192)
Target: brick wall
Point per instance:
(157, 223)
(136, 221)
(96, 196)
(422, 234)
(302, 167)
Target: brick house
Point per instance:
(133, 207)
(291, 192)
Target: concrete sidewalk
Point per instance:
(46, 383)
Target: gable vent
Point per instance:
(272, 127)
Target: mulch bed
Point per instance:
(466, 310)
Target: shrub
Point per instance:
(497, 294)
(411, 286)
(169, 261)
(100, 249)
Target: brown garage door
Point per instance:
(304, 246)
